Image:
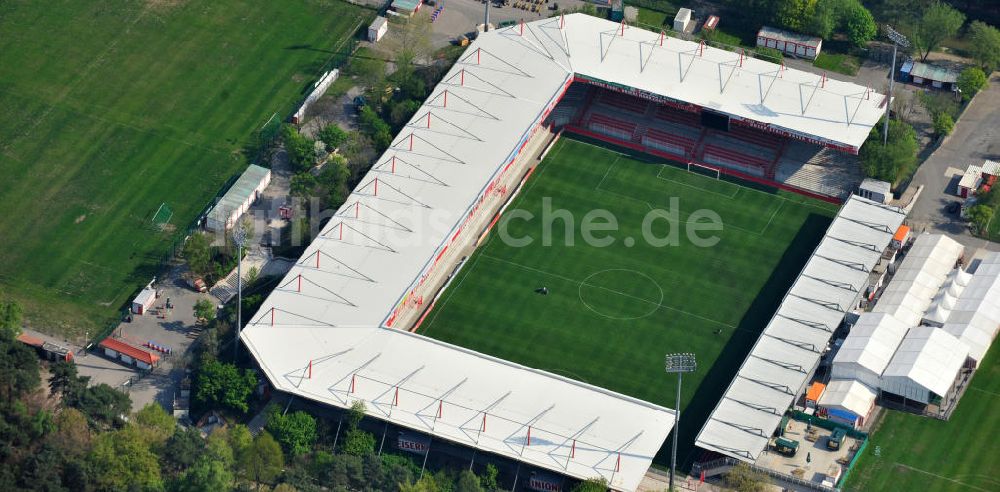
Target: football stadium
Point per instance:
(550, 354)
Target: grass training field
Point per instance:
(919, 453)
(111, 108)
(613, 312)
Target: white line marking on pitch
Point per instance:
(984, 391)
(952, 480)
(574, 281)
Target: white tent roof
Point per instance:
(919, 277)
(850, 395)
(790, 347)
(334, 305)
(871, 342)
(975, 318)
(930, 357)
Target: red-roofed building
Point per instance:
(128, 354)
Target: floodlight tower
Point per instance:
(486, 21)
(678, 363)
(897, 41)
(240, 238)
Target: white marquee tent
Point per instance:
(919, 277)
(975, 318)
(848, 401)
(927, 361)
(868, 348)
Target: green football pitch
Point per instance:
(110, 109)
(909, 452)
(612, 312)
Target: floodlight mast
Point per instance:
(240, 238)
(897, 41)
(678, 363)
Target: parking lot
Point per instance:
(462, 16)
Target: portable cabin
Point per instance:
(836, 439)
(787, 447)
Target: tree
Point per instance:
(18, 368)
(333, 179)
(121, 461)
(742, 478)
(939, 22)
(303, 184)
(860, 25)
(375, 127)
(207, 475)
(223, 385)
(408, 45)
(204, 309)
(218, 447)
(370, 71)
(64, 378)
(264, 460)
(943, 124)
(355, 414)
(971, 81)
(468, 482)
(156, 423)
(591, 485)
(980, 216)
(489, 478)
(184, 448)
(984, 43)
(358, 443)
(296, 432)
(301, 150)
(72, 434)
(103, 405)
(240, 440)
(10, 320)
(823, 19)
(332, 136)
(198, 253)
(893, 161)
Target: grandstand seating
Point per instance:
(668, 142)
(714, 154)
(623, 101)
(818, 169)
(610, 126)
(640, 123)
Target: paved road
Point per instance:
(976, 138)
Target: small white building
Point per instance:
(144, 300)
(848, 402)
(975, 175)
(683, 20)
(239, 198)
(791, 43)
(925, 365)
(876, 190)
(920, 275)
(377, 29)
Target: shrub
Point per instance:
(971, 81)
(943, 124)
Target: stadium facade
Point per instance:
(335, 330)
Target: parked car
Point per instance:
(954, 207)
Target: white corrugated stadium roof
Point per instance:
(849, 395)
(333, 306)
(930, 357)
(975, 318)
(791, 345)
(919, 277)
(871, 342)
(837, 112)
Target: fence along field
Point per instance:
(110, 110)
(611, 313)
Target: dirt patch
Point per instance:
(80, 219)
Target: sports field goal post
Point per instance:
(163, 215)
(694, 167)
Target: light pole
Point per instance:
(240, 238)
(897, 41)
(678, 363)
